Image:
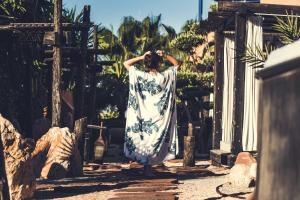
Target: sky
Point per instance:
(110, 12)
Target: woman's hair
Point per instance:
(152, 61)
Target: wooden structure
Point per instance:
(230, 19)
(55, 46)
(279, 138)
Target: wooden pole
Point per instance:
(56, 68)
(189, 148)
(218, 89)
(81, 73)
(239, 81)
(92, 104)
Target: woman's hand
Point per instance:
(145, 54)
(169, 57)
(161, 53)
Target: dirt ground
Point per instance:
(113, 181)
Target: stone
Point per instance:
(251, 196)
(17, 160)
(245, 158)
(56, 155)
(243, 173)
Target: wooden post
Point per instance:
(81, 72)
(80, 129)
(56, 68)
(189, 148)
(100, 145)
(278, 128)
(218, 89)
(92, 104)
(239, 81)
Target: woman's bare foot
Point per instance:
(148, 171)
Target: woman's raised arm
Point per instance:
(132, 61)
(170, 58)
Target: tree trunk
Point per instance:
(56, 69)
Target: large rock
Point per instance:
(243, 173)
(56, 155)
(17, 161)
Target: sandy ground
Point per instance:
(101, 186)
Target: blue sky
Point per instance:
(111, 12)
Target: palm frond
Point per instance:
(170, 30)
(288, 27)
(256, 57)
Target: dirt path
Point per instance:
(125, 182)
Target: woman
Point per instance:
(151, 134)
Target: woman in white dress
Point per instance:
(151, 133)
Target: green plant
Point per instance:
(8, 8)
(256, 57)
(110, 112)
(187, 41)
(213, 7)
(288, 27)
(289, 30)
(70, 16)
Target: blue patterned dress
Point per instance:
(151, 133)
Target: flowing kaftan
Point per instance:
(151, 133)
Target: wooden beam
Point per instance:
(103, 62)
(43, 26)
(56, 68)
(218, 89)
(239, 81)
(81, 72)
(258, 8)
(92, 103)
(99, 51)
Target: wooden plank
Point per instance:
(124, 194)
(81, 72)
(43, 26)
(90, 126)
(218, 90)
(99, 51)
(133, 197)
(278, 132)
(258, 8)
(91, 52)
(239, 81)
(147, 189)
(102, 62)
(56, 68)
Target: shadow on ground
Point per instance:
(118, 178)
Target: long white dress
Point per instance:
(151, 124)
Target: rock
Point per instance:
(245, 158)
(243, 173)
(56, 154)
(251, 196)
(18, 162)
